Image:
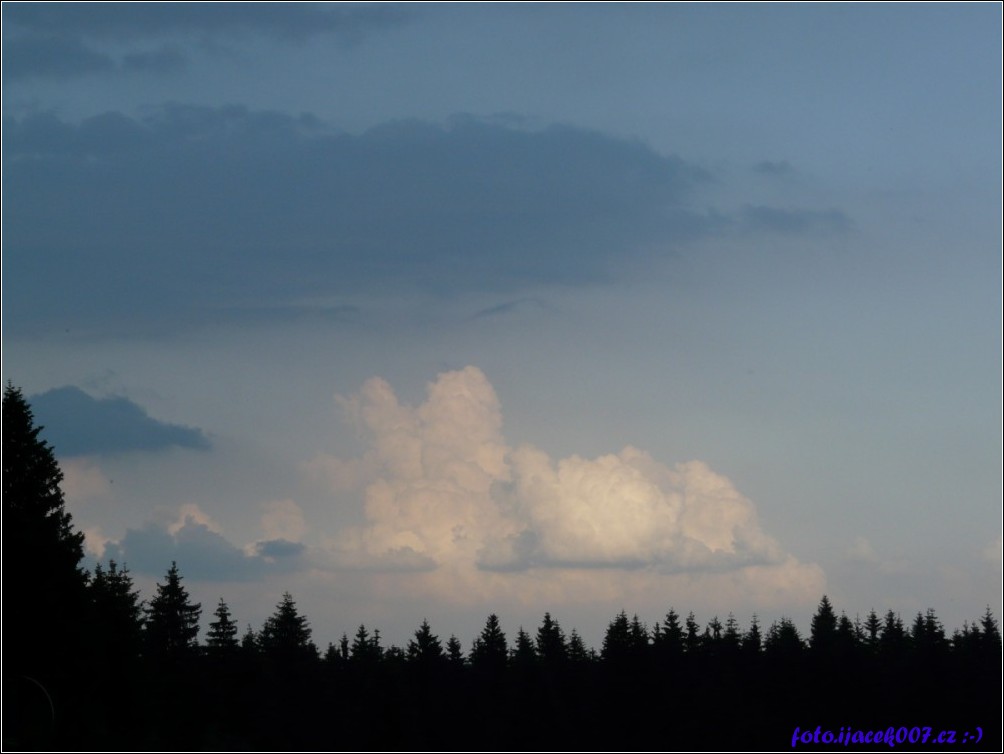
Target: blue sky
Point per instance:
(427, 311)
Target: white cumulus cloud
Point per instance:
(445, 497)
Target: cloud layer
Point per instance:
(78, 424)
(203, 213)
(44, 41)
(444, 495)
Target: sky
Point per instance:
(429, 311)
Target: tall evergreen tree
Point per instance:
(524, 653)
(752, 639)
(44, 587)
(332, 657)
(847, 640)
(927, 634)
(732, 637)
(784, 640)
(823, 631)
(990, 633)
(425, 649)
(454, 652)
(551, 644)
(692, 640)
(490, 651)
(172, 620)
(638, 638)
(366, 648)
(713, 633)
(118, 615)
(873, 628)
(221, 638)
(577, 653)
(250, 644)
(286, 633)
(617, 640)
(668, 639)
(893, 640)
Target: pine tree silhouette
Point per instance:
(286, 634)
(221, 639)
(118, 615)
(823, 632)
(44, 587)
(172, 620)
(425, 649)
(490, 652)
(551, 644)
(454, 652)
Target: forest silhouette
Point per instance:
(89, 664)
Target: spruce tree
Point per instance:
(713, 632)
(692, 641)
(847, 638)
(551, 644)
(753, 640)
(524, 653)
(332, 657)
(366, 649)
(286, 633)
(172, 623)
(490, 651)
(784, 640)
(250, 642)
(990, 632)
(425, 649)
(667, 639)
(118, 615)
(221, 638)
(893, 641)
(873, 627)
(454, 652)
(732, 637)
(638, 638)
(41, 546)
(617, 640)
(577, 652)
(823, 631)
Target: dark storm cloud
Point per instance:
(149, 222)
(77, 424)
(201, 553)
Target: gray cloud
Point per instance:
(62, 40)
(201, 553)
(77, 424)
(189, 210)
(293, 21)
(776, 220)
(279, 548)
(51, 56)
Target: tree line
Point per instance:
(88, 664)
